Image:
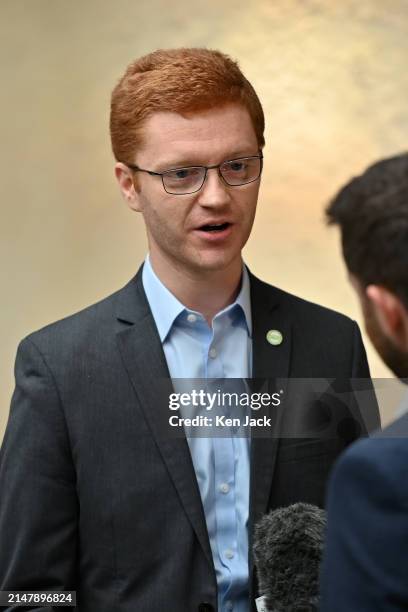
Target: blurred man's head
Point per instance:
(372, 213)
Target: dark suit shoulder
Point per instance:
(324, 343)
(378, 464)
(302, 309)
(83, 329)
(89, 316)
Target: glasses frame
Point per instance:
(206, 168)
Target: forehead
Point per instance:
(203, 137)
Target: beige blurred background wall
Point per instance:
(333, 80)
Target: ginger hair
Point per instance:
(183, 81)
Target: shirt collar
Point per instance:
(166, 307)
(244, 300)
(403, 406)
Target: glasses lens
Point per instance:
(183, 180)
(241, 171)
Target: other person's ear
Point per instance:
(391, 314)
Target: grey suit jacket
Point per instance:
(95, 499)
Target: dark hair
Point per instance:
(372, 213)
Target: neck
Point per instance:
(207, 292)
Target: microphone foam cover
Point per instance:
(288, 546)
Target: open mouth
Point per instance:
(215, 228)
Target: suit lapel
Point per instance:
(145, 362)
(272, 363)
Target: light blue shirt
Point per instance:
(222, 465)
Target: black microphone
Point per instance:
(288, 547)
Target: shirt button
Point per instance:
(191, 318)
(229, 605)
(229, 554)
(224, 487)
(212, 353)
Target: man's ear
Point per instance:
(391, 314)
(126, 182)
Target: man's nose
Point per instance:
(214, 192)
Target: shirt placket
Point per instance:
(224, 467)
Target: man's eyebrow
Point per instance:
(179, 163)
(185, 162)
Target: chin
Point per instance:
(217, 263)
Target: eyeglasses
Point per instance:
(183, 181)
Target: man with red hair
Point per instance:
(96, 496)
